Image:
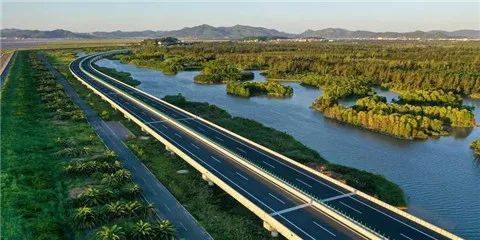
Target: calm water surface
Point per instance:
(440, 177)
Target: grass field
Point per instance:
(34, 190)
(58, 181)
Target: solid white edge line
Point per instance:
(216, 159)
(278, 199)
(241, 175)
(306, 184)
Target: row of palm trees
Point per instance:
(141, 230)
(89, 217)
(97, 195)
(116, 179)
(111, 197)
(87, 167)
(53, 96)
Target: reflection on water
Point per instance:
(440, 177)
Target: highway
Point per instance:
(296, 214)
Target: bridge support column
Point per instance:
(169, 150)
(205, 177)
(273, 231)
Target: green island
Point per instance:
(61, 182)
(431, 77)
(405, 121)
(215, 210)
(248, 89)
(125, 77)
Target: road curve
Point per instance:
(297, 215)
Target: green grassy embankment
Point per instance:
(58, 181)
(33, 188)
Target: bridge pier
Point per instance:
(169, 150)
(272, 230)
(205, 177)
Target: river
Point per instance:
(440, 177)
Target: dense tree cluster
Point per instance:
(248, 89)
(401, 120)
(405, 126)
(158, 58)
(221, 71)
(453, 116)
(430, 98)
(452, 66)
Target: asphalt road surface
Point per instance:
(297, 215)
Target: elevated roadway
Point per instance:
(290, 198)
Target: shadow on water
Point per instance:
(440, 176)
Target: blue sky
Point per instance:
(284, 16)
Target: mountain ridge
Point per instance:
(208, 32)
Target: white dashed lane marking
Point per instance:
(304, 183)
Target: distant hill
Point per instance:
(58, 33)
(236, 32)
(339, 33)
(132, 34)
(207, 32)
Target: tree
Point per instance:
(113, 232)
(142, 230)
(164, 230)
(84, 217)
